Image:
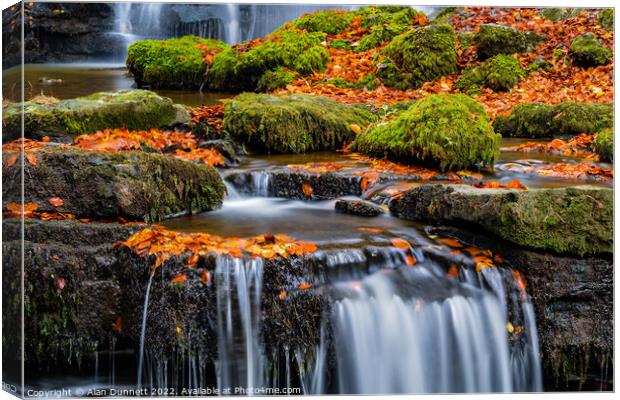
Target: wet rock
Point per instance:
(230, 150)
(587, 51)
(500, 73)
(359, 207)
(292, 123)
(573, 302)
(133, 185)
(131, 109)
(493, 39)
(575, 220)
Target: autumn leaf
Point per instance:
(118, 324)
(304, 286)
(282, 295)
(411, 261)
(453, 271)
(355, 128)
(451, 242)
(11, 160)
(400, 244)
(180, 278)
(32, 159)
(373, 230)
(307, 189)
(60, 283)
(56, 201)
(205, 277)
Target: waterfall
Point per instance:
(240, 356)
(232, 25)
(143, 329)
(429, 340)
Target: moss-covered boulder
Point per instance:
(576, 220)
(587, 51)
(606, 18)
(449, 131)
(417, 56)
(545, 120)
(131, 109)
(604, 144)
(492, 40)
(292, 123)
(560, 13)
(179, 63)
(383, 24)
(500, 73)
(277, 79)
(133, 185)
(327, 21)
(243, 67)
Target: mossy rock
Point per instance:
(242, 69)
(587, 51)
(131, 109)
(449, 131)
(606, 18)
(492, 40)
(277, 79)
(604, 144)
(384, 23)
(340, 44)
(444, 16)
(176, 63)
(418, 56)
(560, 13)
(134, 185)
(500, 73)
(328, 21)
(292, 123)
(575, 220)
(545, 120)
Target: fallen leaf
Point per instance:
(282, 295)
(304, 286)
(307, 189)
(180, 278)
(400, 244)
(56, 201)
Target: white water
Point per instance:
(240, 356)
(145, 311)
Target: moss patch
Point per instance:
(560, 13)
(384, 23)
(418, 56)
(606, 18)
(134, 185)
(586, 51)
(500, 73)
(492, 40)
(450, 131)
(604, 144)
(277, 79)
(292, 123)
(131, 109)
(329, 21)
(172, 63)
(544, 120)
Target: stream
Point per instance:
(393, 328)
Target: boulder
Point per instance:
(574, 220)
(604, 144)
(560, 13)
(418, 56)
(135, 185)
(292, 123)
(131, 109)
(587, 51)
(606, 18)
(546, 120)
(492, 40)
(449, 131)
(178, 63)
(360, 208)
(500, 73)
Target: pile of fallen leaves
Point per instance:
(514, 184)
(580, 170)
(29, 210)
(164, 243)
(14, 149)
(578, 146)
(213, 116)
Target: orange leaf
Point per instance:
(56, 201)
(355, 128)
(11, 160)
(118, 324)
(180, 278)
(205, 277)
(373, 230)
(453, 271)
(31, 159)
(282, 295)
(304, 286)
(411, 261)
(307, 189)
(400, 244)
(451, 242)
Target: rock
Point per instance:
(133, 185)
(606, 18)
(292, 123)
(227, 148)
(587, 51)
(272, 80)
(492, 40)
(359, 207)
(604, 144)
(176, 63)
(573, 301)
(131, 109)
(417, 56)
(560, 13)
(384, 23)
(545, 120)
(449, 131)
(500, 73)
(574, 220)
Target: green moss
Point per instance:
(340, 44)
(277, 79)
(559, 13)
(171, 63)
(604, 144)
(466, 39)
(329, 21)
(292, 123)
(586, 51)
(379, 34)
(606, 18)
(539, 64)
(451, 131)
(492, 40)
(500, 73)
(384, 23)
(131, 109)
(543, 120)
(418, 56)
(238, 69)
